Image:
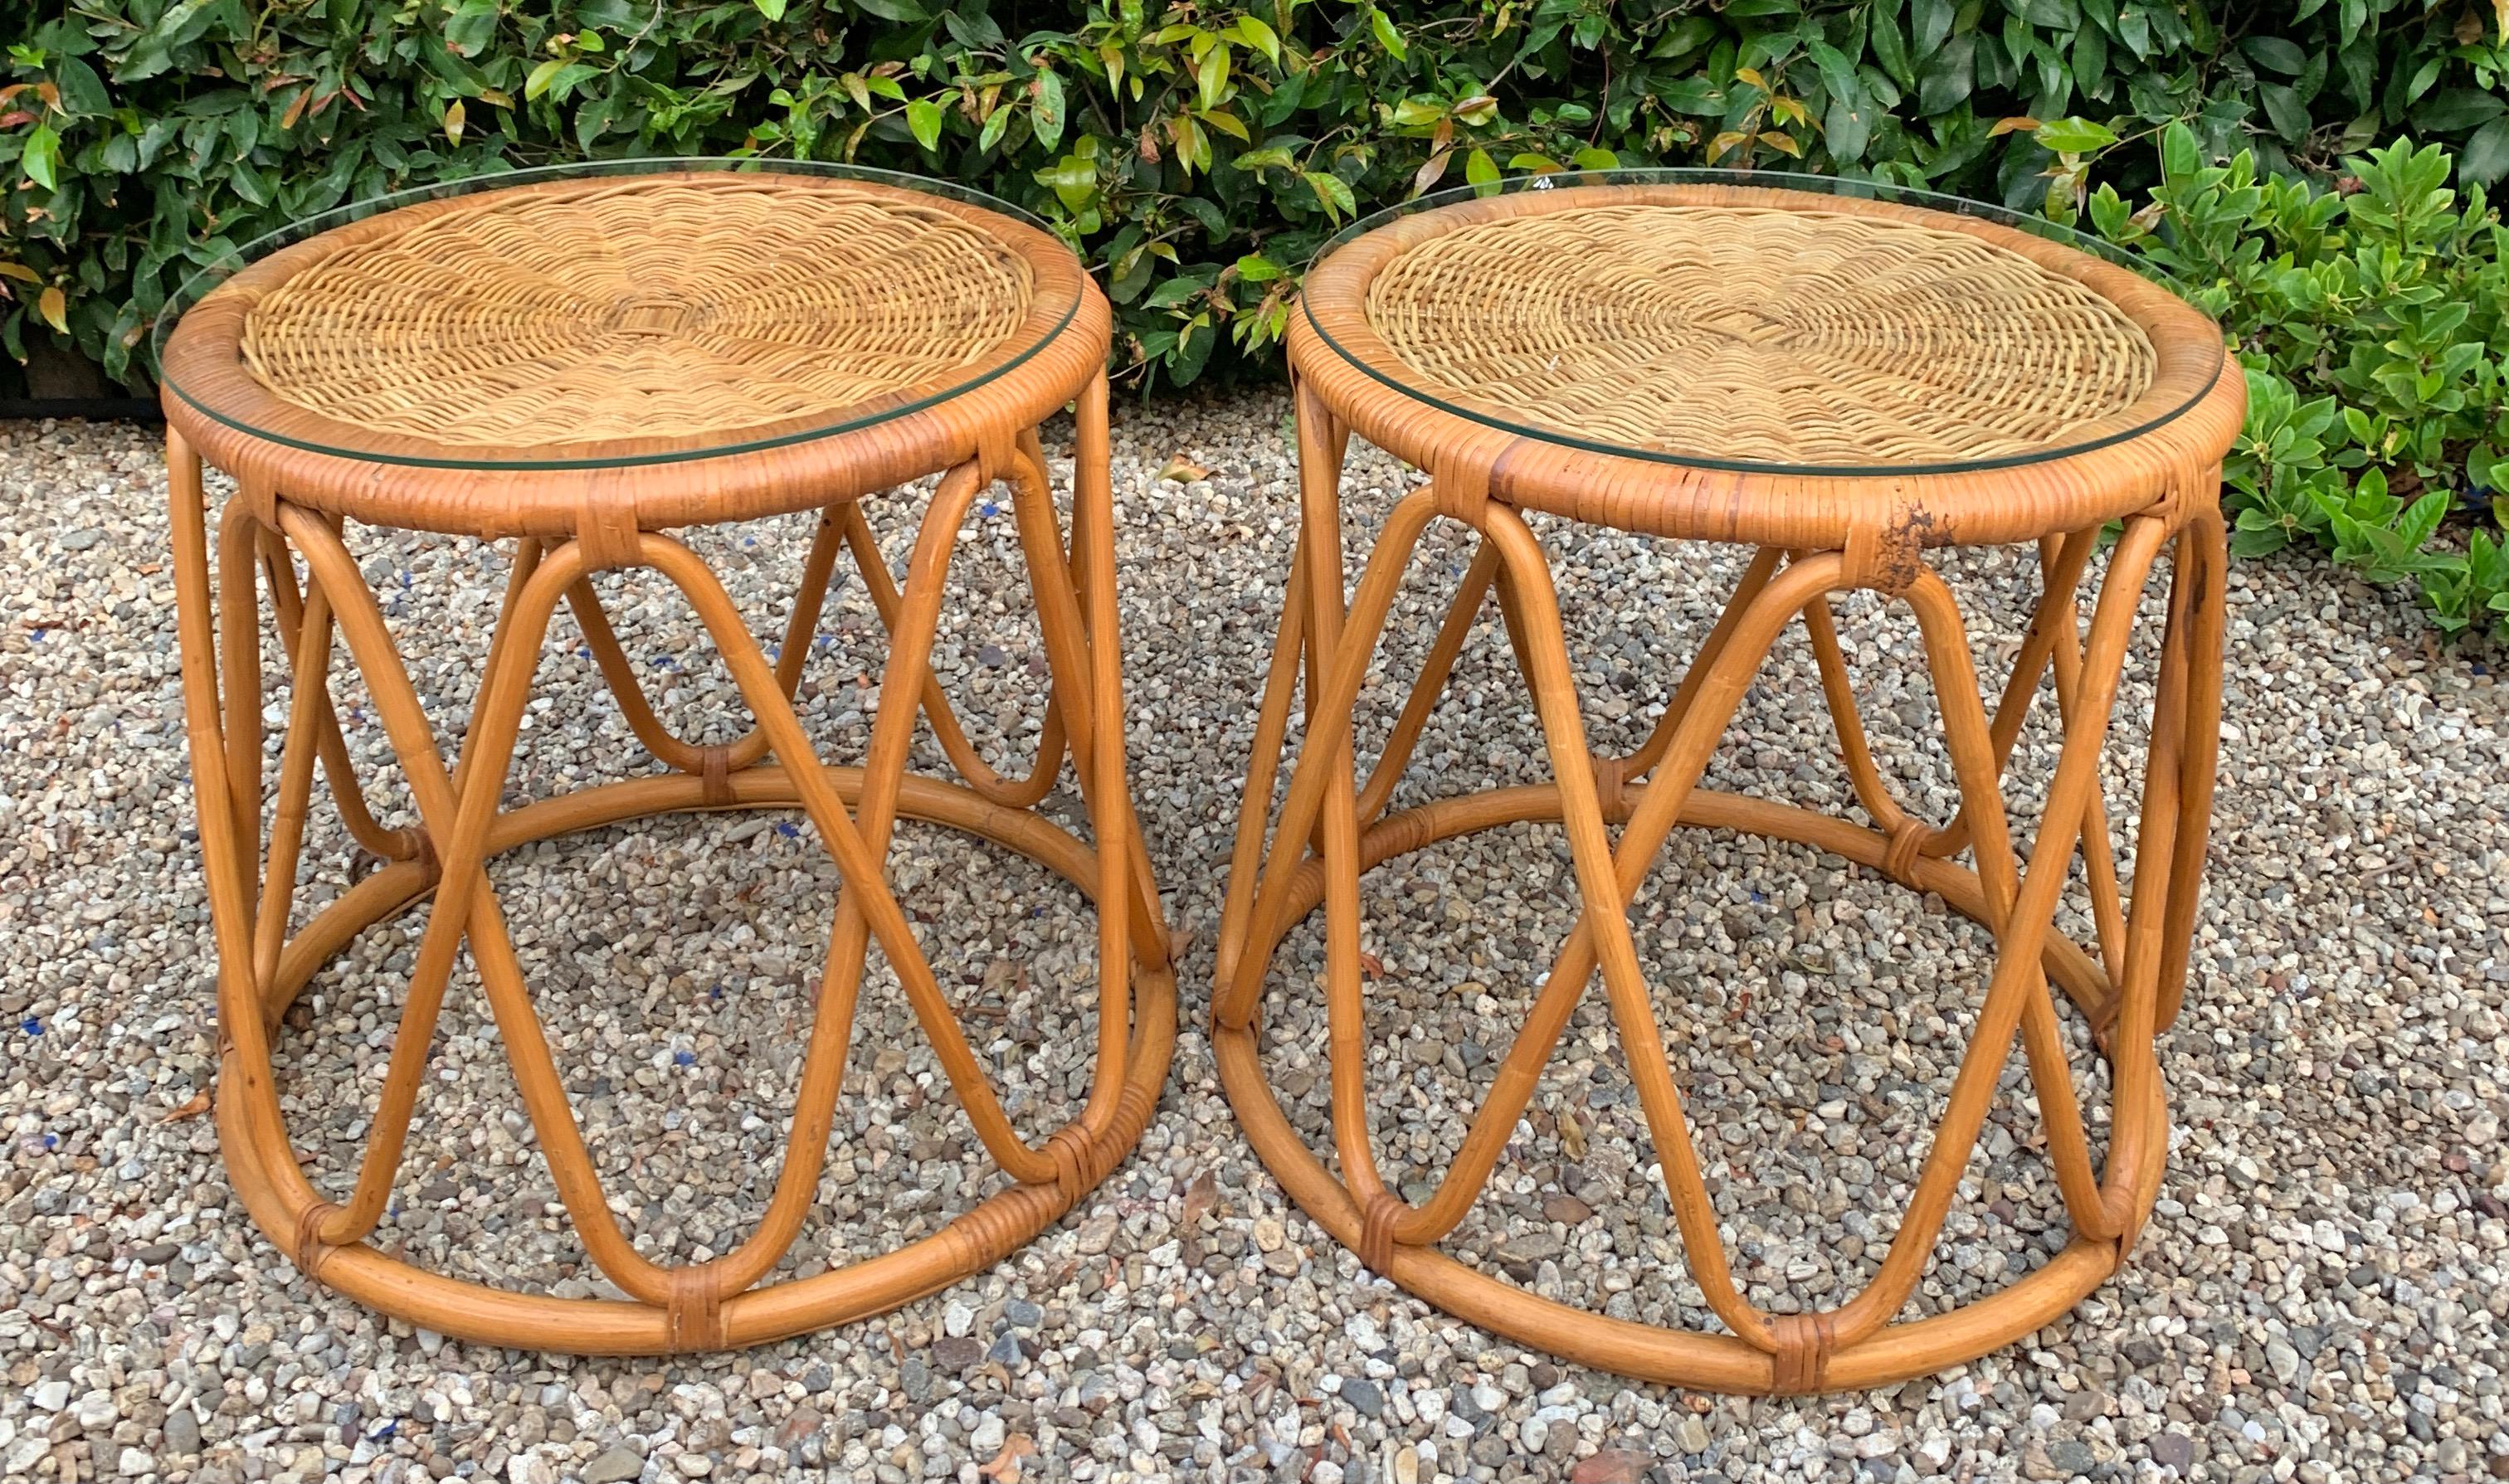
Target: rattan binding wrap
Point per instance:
(1750, 333)
(647, 310)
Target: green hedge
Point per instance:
(1195, 154)
(2374, 322)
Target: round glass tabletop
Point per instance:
(1761, 323)
(622, 311)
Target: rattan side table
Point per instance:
(1847, 378)
(580, 360)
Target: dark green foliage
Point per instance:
(1195, 154)
(2374, 320)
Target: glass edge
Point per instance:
(193, 289)
(1957, 205)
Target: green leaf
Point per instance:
(903, 11)
(1074, 179)
(1481, 171)
(1046, 117)
(1386, 36)
(2075, 137)
(543, 76)
(2276, 53)
(1334, 193)
(2457, 108)
(2180, 155)
(1949, 75)
(1695, 96)
(1930, 25)
(83, 94)
(1259, 34)
(2283, 106)
(1210, 78)
(772, 10)
(471, 27)
(2091, 61)
(1687, 35)
(2485, 157)
(1889, 48)
(923, 121)
(43, 155)
(1254, 268)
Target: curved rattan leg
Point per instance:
(1323, 840)
(266, 958)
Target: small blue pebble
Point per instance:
(32, 1026)
(989, 509)
(789, 830)
(684, 1058)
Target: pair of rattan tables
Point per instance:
(579, 362)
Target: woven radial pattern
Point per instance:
(1749, 334)
(649, 310)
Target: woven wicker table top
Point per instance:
(601, 317)
(1760, 330)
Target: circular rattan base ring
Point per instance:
(1719, 1362)
(974, 1241)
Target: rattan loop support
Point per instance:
(1802, 1358)
(1886, 549)
(1376, 1229)
(1463, 491)
(2187, 491)
(1610, 791)
(714, 775)
(998, 454)
(421, 852)
(1071, 1148)
(696, 1310)
(1899, 858)
(261, 497)
(605, 527)
(309, 1246)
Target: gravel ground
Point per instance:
(2318, 1294)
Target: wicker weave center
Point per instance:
(648, 309)
(1757, 334)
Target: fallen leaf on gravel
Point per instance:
(1006, 1465)
(1183, 470)
(198, 1105)
(1201, 1197)
(1612, 1466)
